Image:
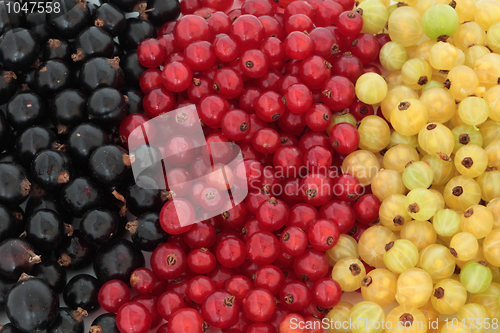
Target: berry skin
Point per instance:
(151, 53)
(133, 317)
(112, 295)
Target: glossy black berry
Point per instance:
(84, 139)
(53, 76)
(44, 230)
(7, 157)
(26, 78)
(105, 323)
(81, 292)
(25, 109)
(19, 48)
(52, 273)
(132, 69)
(135, 31)
(73, 17)
(163, 11)
(43, 201)
(18, 256)
(32, 305)
(117, 260)
(135, 97)
(8, 85)
(9, 18)
(141, 200)
(8, 223)
(110, 18)
(99, 225)
(93, 42)
(75, 251)
(36, 22)
(14, 184)
(107, 107)
(146, 232)
(5, 132)
(57, 49)
(33, 140)
(80, 195)
(51, 169)
(125, 5)
(101, 72)
(5, 285)
(68, 109)
(109, 164)
(68, 321)
(118, 51)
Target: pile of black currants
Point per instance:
(69, 74)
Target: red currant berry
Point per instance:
(324, 43)
(199, 56)
(299, 7)
(298, 45)
(310, 265)
(323, 234)
(201, 261)
(302, 215)
(248, 32)
(273, 49)
(269, 107)
(221, 5)
(133, 317)
(269, 81)
(318, 117)
(142, 281)
(262, 248)
(360, 110)
(199, 288)
(258, 305)
(327, 13)
(186, 320)
(266, 141)
(260, 328)
(239, 286)
(366, 208)
(225, 48)
(176, 76)
(191, 28)
(339, 212)
(338, 93)
(299, 22)
(272, 27)
(254, 63)
(228, 83)
(157, 102)
(295, 296)
(150, 53)
(292, 123)
(314, 72)
(365, 47)
(288, 160)
(350, 23)
(348, 65)
(169, 44)
(112, 295)
(150, 302)
(220, 309)
(326, 293)
(257, 7)
(219, 23)
(129, 124)
(293, 241)
(298, 98)
(150, 80)
(248, 98)
(168, 303)
(230, 252)
(168, 261)
(316, 189)
(344, 138)
(211, 109)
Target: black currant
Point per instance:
(68, 109)
(53, 76)
(51, 169)
(81, 292)
(107, 107)
(32, 305)
(163, 11)
(5, 285)
(45, 230)
(135, 31)
(135, 97)
(146, 232)
(105, 323)
(8, 157)
(84, 139)
(52, 273)
(75, 251)
(141, 200)
(18, 256)
(9, 18)
(8, 85)
(99, 225)
(70, 20)
(43, 201)
(118, 51)
(14, 184)
(26, 78)
(101, 72)
(93, 42)
(80, 195)
(36, 22)
(109, 164)
(57, 49)
(19, 48)
(25, 109)
(125, 5)
(8, 223)
(33, 140)
(132, 69)
(110, 18)
(117, 260)
(4, 132)
(68, 321)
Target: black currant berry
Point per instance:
(163, 11)
(19, 48)
(84, 139)
(75, 251)
(26, 78)
(57, 49)
(51, 169)
(109, 164)
(135, 31)
(4, 132)
(25, 109)
(107, 107)
(132, 69)
(93, 42)
(105, 323)
(9, 18)
(8, 223)
(52, 273)
(36, 22)
(110, 18)
(43, 201)
(141, 200)
(8, 85)
(68, 109)
(5, 285)
(81, 292)
(18, 256)
(68, 321)
(101, 72)
(125, 5)
(117, 50)
(99, 225)
(80, 195)
(135, 97)
(11, 158)
(44, 230)
(33, 140)
(146, 232)
(53, 76)
(14, 184)
(117, 260)
(70, 20)
(32, 305)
